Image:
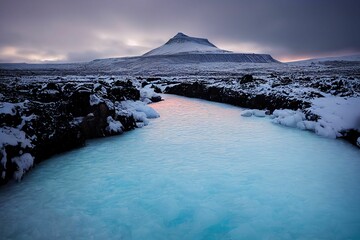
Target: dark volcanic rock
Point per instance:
(246, 79)
(238, 98)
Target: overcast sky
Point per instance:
(83, 30)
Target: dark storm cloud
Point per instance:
(87, 29)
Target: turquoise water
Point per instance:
(200, 171)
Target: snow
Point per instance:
(13, 136)
(139, 110)
(24, 163)
(340, 113)
(26, 119)
(336, 115)
(114, 126)
(247, 113)
(50, 91)
(147, 93)
(351, 58)
(253, 112)
(140, 107)
(7, 108)
(4, 156)
(287, 117)
(186, 47)
(95, 100)
(182, 43)
(259, 113)
(297, 119)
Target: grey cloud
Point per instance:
(85, 29)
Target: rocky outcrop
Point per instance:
(237, 98)
(40, 119)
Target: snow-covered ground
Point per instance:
(182, 43)
(336, 116)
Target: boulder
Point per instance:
(246, 79)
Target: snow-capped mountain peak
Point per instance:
(182, 43)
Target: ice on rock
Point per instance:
(147, 93)
(138, 106)
(259, 113)
(114, 126)
(255, 112)
(13, 136)
(4, 156)
(247, 113)
(358, 142)
(7, 108)
(94, 100)
(24, 163)
(138, 109)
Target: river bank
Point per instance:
(43, 116)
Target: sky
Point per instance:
(83, 30)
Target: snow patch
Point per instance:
(247, 113)
(7, 108)
(13, 136)
(297, 119)
(147, 93)
(138, 106)
(259, 113)
(182, 43)
(255, 112)
(4, 157)
(289, 118)
(139, 110)
(94, 100)
(338, 112)
(24, 163)
(114, 126)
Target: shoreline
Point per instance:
(284, 110)
(42, 118)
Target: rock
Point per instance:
(79, 102)
(247, 113)
(246, 79)
(156, 88)
(156, 98)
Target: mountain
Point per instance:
(181, 54)
(347, 58)
(182, 43)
